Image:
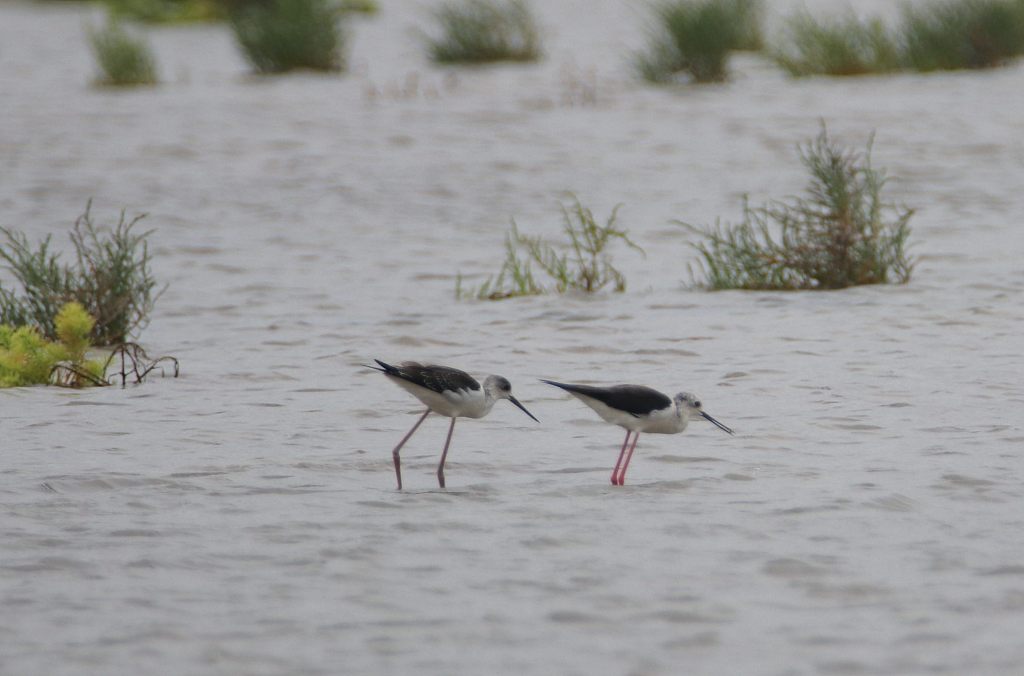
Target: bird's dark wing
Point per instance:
(436, 378)
(636, 400)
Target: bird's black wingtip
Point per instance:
(383, 368)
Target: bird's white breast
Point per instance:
(463, 403)
(660, 421)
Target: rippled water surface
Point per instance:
(865, 519)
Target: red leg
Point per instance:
(615, 472)
(394, 453)
(629, 456)
(444, 454)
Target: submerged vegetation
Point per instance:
(697, 36)
(841, 234)
(277, 36)
(483, 31)
(110, 278)
(581, 265)
(123, 59)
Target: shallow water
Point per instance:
(865, 519)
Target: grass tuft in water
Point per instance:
(110, 278)
(124, 60)
(278, 36)
(581, 265)
(484, 31)
(841, 234)
(843, 46)
(166, 11)
(963, 34)
(697, 36)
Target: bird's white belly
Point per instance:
(663, 421)
(450, 403)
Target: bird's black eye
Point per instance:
(696, 404)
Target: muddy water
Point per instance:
(865, 518)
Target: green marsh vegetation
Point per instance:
(484, 31)
(582, 264)
(963, 34)
(949, 35)
(28, 358)
(110, 277)
(124, 59)
(191, 11)
(278, 36)
(845, 45)
(697, 36)
(841, 234)
(167, 11)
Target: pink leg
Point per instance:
(394, 453)
(444, 454)
(622, 452)
(629, 456)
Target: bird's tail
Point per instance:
(565, 386)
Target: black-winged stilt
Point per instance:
(448, 392)
(638, 409)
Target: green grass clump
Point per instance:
(167, 11)
(580, 265)
(361, 6)
(110, 278)
(27, 358)
(189, 11)
(950, 35)
(963, 34)
(483, 31)
(124, 60)
(697, 36)
(843, 46)
(840, 235)
(282, 35)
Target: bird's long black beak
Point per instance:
(716, 423)
(521, 407)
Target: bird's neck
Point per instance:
(682, 418)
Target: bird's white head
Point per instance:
(497, 387)
(690, 406)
